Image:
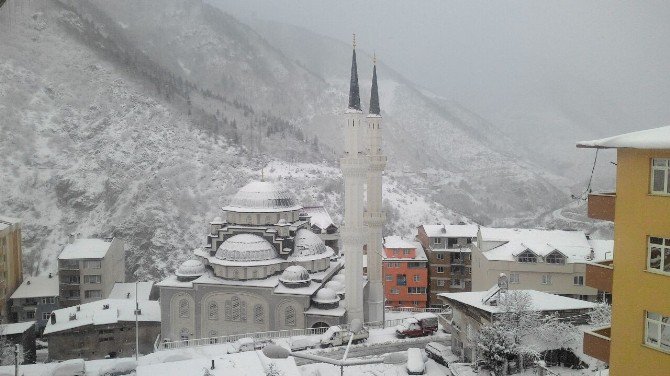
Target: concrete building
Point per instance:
(105, 328)
(638, 341)
(472, 310)
(11, 265)
(89, 268)
(22, 334)
(552, 261)
(405, 273)
(448, 248)
(34, 300)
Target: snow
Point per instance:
(262, 197)
(307, 244)
(85, 248)
(94, 314)
(36, 287)
(17, 328)
(319, 217)
(395, 242)
(542, 301)
(326, 296)
(336, 312)
(656, 138)
(451, 231)
(127, 290)
(6, 222)
(246, 247)
(603, 249)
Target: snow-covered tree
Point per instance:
(601, 315)
(495, 347)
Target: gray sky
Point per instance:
(611, 57)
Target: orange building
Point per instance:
(405, 269)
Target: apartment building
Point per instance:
(11, 265)
(552, 261)
(405, 273)
(448, 248)
(89, 268)
(638, 341)
(34, 300)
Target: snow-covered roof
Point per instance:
(451, 231)
(94, 313)
(246, 247)
(37, 287)
(6, 222)
(542, 301)
(85, 249)
(17, 328)
(262, 197)
(602, 249)
(192, 268)
(295, 274)
(319, 217)
(510, 242)
(307, 244)
(395, 242)
(127, 290)
(656, 138)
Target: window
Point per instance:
(578, 280)
(395, 291)
(416, 304)
(451, 242)
(440, 269)
(546, 279)
(49, 300)
(235, 309)
(555, 258)
(184, 334)
(415, 265)
(416, 290)
(213, 312)
(406, 251)
(30, 314)
(289, 316)
(440, 256)
(527, 256)
(660, 174)
(93, 294)
(46, 315)
(440, 282)
(389, 278)
(514, 278)
(437, 240)
(92, 264)
(456, 282)
(657, 331)
(71, 279)
(401, 280)
(72, 294)
(92, 279)
(658, 258)
(184, 308)
(417, 278)
(258, 314)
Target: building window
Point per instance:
(184, 334)
(406, 251)
(46, 315)
(30, 314)
(289, 316)
(546, 279)
(660, 174)
(401, 280)
(395, 291)
(657, 331)
(213, 311)
(93, 294)
(514, 278)
(440, 283)
(416, 304)
(440, 269)
(92, 279)
(235, 309)
(184, 309)
(417, 278)
(456, 282)
(440, 256)
(578, 280)
(389, 278)
(258, 314)
(71, 279)
(49, 300)
(555, 258)
(437, 240)
(658, 258)
(416, 290)
(92, 264)
(527, 256)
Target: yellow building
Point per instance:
(639, 339)
(11, 267)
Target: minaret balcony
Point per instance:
(375, 219)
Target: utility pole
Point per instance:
(16, 359)
(137, 325)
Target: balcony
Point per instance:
(601, 206)
(599, 275)
(597, 343)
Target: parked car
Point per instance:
(440, 353)
(336, 336)
(415, 362)
(73, 367)
(421, 324)
(248, 344)
(304, 342)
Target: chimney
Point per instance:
(50, 275)
(53, 318)
(71, 238)
(73, 316)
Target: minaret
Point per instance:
(374, 217)
(354, 169)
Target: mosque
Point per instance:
(264, 268)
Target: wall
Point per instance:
(404, 299)
(11, 267)
(638, 215)
(113, 266)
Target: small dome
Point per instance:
(246, 247)
(326, 296)
(262, 196)
(191, 268)
(338, 278)
(335, 286)
(307, 244)
(295, 274)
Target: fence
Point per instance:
(415, 309)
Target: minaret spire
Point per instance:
(354, 95)
(374, 94)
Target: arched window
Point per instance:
(289, 316)
(258, 314)
(555, 258)
(184, 308)
(527, 256)
(213, 311)
(236, 309)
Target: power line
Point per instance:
(586, 192)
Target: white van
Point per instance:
(415, 363)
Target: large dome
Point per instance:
(262, 196)
(246, 247)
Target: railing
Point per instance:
(600, 275)
(415, 309)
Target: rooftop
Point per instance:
(542, 301)
(451, 231)
(319, 217)
(6, 222)
(396, 242)
(127, 290)
(85, 249)
(37, 287)
(18, 328)
(656, 138)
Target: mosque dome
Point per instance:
(245, 248)
(295, 274)
(326, 296)
(307, 244)
(262, 196)
(336, 286)
(190, 269)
